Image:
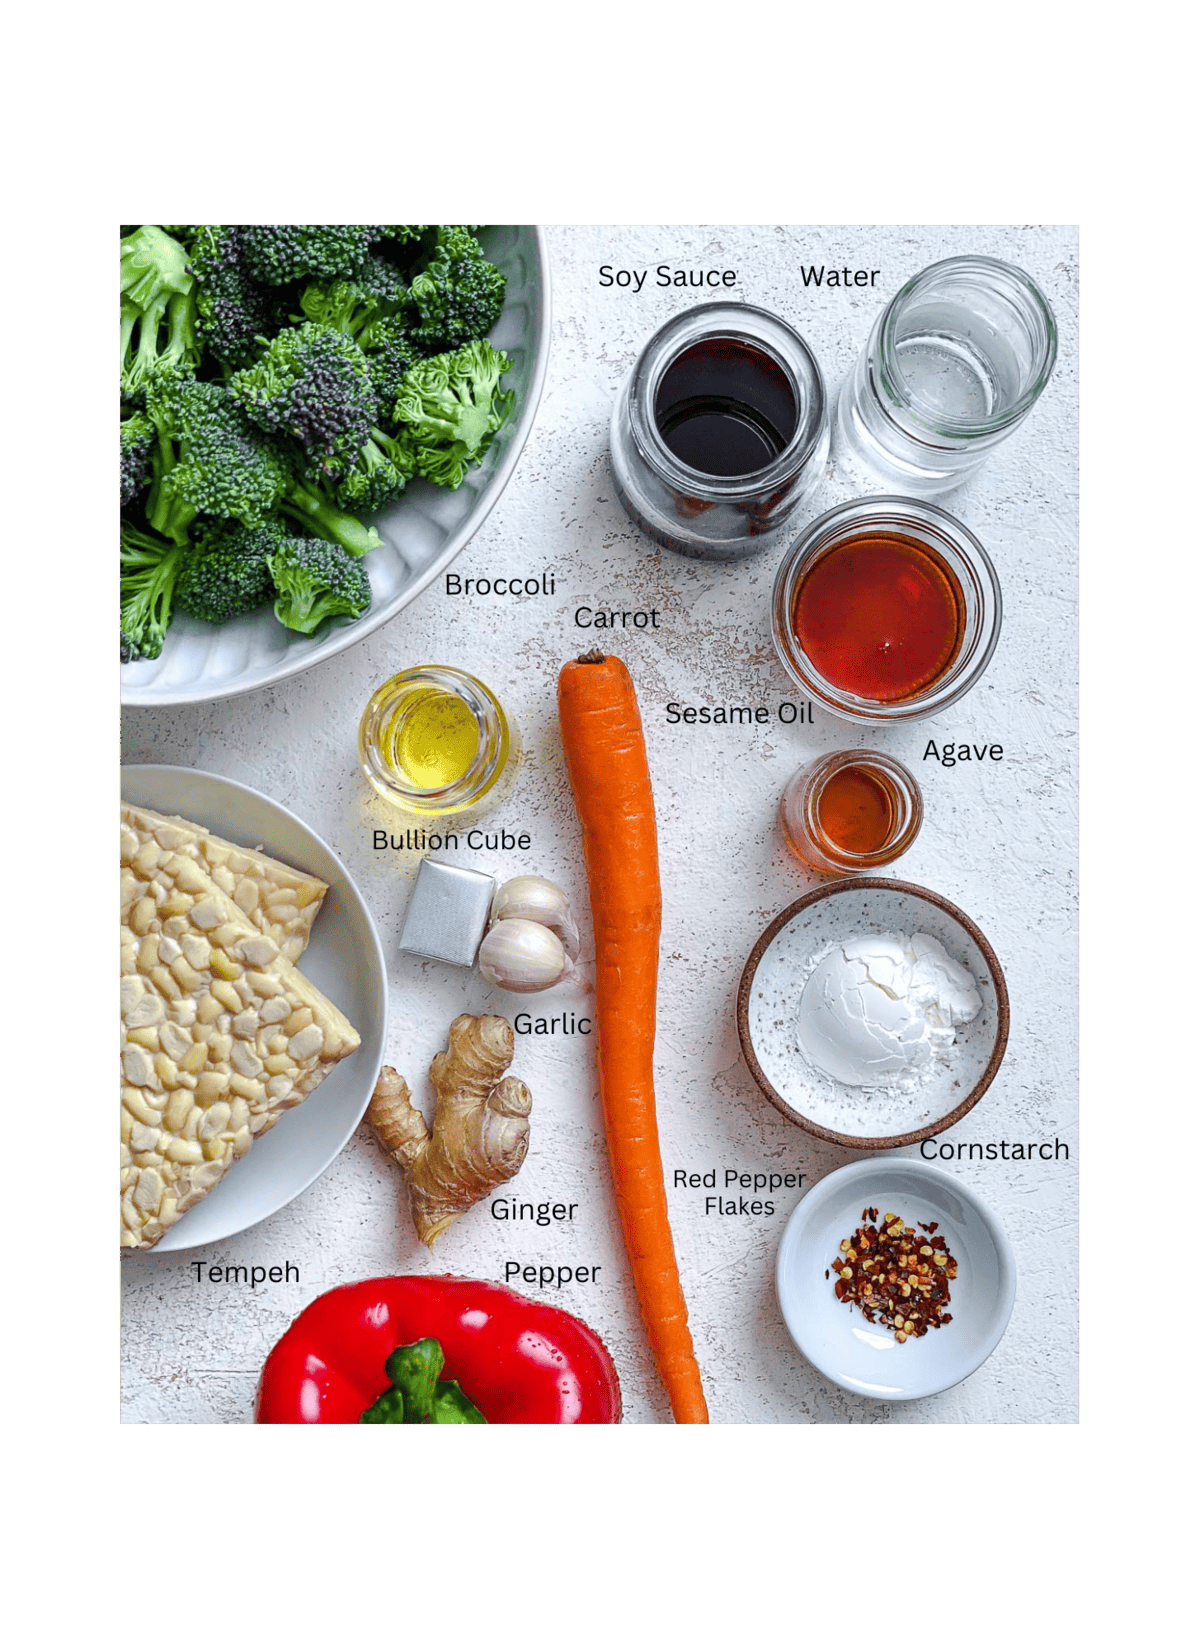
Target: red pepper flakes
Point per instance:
(895, 1277)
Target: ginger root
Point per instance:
(480, 1128)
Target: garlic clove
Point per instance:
(534, 899)
(523, 956)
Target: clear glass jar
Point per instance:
(850, 812)
(965, 565)
(434, 740)
(724, 385)
(953, 364)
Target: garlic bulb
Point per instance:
(534, 899)
(523, 956)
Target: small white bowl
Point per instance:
(768, 1015)
(344, 959)
(836, 1338)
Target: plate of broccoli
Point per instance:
(315, 418)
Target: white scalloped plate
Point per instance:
(421, 534)
(344, 959)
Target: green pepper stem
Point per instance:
(416, 1397)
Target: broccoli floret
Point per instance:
(313, 384)
(233, 310)
(458, 295)
(383, 281)
(375, 472)
(384, 468)
(345, 306)
(351, 305)
(451, 408)
(280, 252)
(138, 436)
(149, 569)
(211, 460)
(390, 353)
(226, 572)
(330, 397)
(401, 233)
(158, 308)
(316, 581)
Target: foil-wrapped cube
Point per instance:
(448, 913)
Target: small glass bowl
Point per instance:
(964, 556)
(495, 755)
(799, 813)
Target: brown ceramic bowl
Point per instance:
(768, 1002)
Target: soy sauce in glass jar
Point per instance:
(725, 407)
(720, 432)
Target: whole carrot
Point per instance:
(606, 762)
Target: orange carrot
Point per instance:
(606, 762)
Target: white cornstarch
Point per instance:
(880, 1010)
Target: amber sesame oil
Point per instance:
(434, 740)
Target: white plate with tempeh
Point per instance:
(341, 957)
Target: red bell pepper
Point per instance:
(519, 1362)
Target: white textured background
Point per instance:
(999, 840)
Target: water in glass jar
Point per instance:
(955, 366)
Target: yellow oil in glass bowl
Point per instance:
(431, 739)
(434, 740)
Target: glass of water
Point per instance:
(952, 366)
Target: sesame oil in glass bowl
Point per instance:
(886, 609)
